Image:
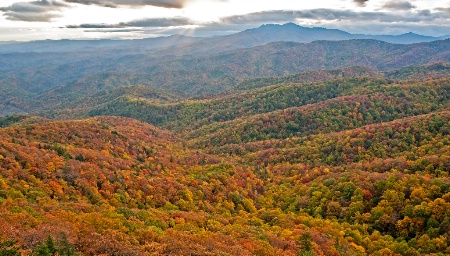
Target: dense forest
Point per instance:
(118, 186)
(235, 145)
(32, 82)
(298, 165)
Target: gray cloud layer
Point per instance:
(41, 11)
(116, 3)
(150, 23)
(46, 10)
(159, 22)
(357, 22)
(399, 6)
(444, 9)
(332, 14)
(284, 16)
(360, 2)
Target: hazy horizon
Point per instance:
(133, 19)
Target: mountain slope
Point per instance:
(214, 74)
(190, 115)
(61, 46)
(291, 32)
(345, 166)
(44, 77)
(109, 177)
(417, 73)
(118, 186)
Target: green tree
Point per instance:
(305, 242)
(45, 249)
(64, 247)
(7, 248)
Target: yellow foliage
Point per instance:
(385, 252)
(286, 233)
(213, 225)
(114, 202)
(357, 248)
(51, 167)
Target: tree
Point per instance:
(8, 248)
(305, 242)
(45, 249)
(64, 247)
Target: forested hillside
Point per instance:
(118, 186)
(31, 82)
(191, 75)
(235, 145)
(281, 111)
(320, 163)
(159, 106)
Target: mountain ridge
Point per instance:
(261, 35)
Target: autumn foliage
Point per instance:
(354, 166)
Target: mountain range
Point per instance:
(272, 141)
(44, 81)
(264, 34)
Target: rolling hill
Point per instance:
(112, 185)
(236, 147)
(37, 88)
(34, 72)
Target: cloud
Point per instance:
(443, 9)
(47, 10)
(266, 16)
(279, 17)
(159, 22)
(34, 11)
(117, 3)
(398, 6)
(114, 30)
(95, 26)
(151, 22)
(360, 2)
(330, 15)
(375, 22)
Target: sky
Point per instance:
(25, 20)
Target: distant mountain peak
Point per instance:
(410, 34)
(287, 25)
(291, 24)
(296, 28)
